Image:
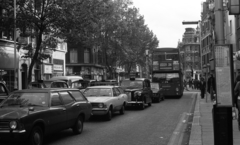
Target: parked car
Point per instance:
(3, 92)
(138, 90)
(48, 84)
(30, 114)
(157, 92)
(68, 79)
(106, 100)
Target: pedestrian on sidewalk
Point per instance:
(236, 102)
(211, 86)
(202, 86)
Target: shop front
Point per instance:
(7, 65)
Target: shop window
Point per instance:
(86, 56)
(73, 56)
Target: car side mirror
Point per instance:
(31, 108)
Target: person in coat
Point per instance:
(202, 86)
(236, 102)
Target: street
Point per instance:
(152, 126)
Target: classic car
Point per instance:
(3, 91)
(48, 84)
(106, 100)
(31, 114)
(68, 79)
(157, 92)
(138, 90)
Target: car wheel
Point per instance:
(163, 98)
(78, 126)
(36, 136)
(109, 115)
(142, 106)
(150, 103)
(122, 111)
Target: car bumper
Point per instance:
(13, 136)
(99, 111)
(134, 103)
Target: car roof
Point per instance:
(45, 90)
(66, 78)
(137, 79)
(103, 87)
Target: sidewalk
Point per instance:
(202, 125)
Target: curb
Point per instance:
(196, 130)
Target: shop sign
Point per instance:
(47, 69)
(58, 67)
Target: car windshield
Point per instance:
(26, 99)
(3, 91)
(95, 92)
(166, 77)
(131, 84)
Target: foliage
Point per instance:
(115, 27)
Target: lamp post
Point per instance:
(147, 64)
(15, 51)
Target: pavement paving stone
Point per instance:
(202, 126)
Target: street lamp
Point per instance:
(15, 50)
(147, 64)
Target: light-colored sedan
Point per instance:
(106, 99)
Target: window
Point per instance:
(116, 92)
(66, 98)
(73, 56)
(120, 90)
(2, 90)
(77, 95)
(86, 56)
(55, 100)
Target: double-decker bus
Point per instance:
(167, 70)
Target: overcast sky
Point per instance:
(165, 17)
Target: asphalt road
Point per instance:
(153, 126)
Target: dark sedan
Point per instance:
(29, 115)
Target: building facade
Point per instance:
(86, 62)
(190, 53)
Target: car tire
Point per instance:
(142, 106)
(78, 126)
(163, 98)
(109, 115)
(122, 111)
(150, 104)
(36, 136)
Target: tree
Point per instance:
(48, 21)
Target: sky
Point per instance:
(165, 17)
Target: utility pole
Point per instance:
(15, 51)
(147, 65)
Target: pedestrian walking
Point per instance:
(211, 86)
(190, 83)
(185, 85)
(202, 86)
(236, 97)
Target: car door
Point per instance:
(84, 105)
(118, 97)
(57, 116)
(147, 91)
(72, 108)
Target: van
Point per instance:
(68, 79)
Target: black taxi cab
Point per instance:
(138, 90)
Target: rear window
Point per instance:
(77, 95)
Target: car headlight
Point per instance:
(101, 105)
(138, 93)
(13, 124)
